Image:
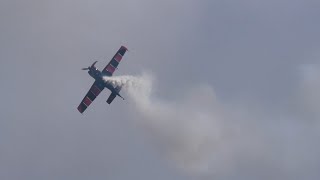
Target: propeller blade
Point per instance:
(94, 64)
(88, 68)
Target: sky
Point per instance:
(234, 90)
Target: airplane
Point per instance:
(99, 84)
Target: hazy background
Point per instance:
(256, 62)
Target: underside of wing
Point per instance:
(113, 64)
(94, 91)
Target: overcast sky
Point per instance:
(254, 61)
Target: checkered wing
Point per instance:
(94, 91)
(113, 64)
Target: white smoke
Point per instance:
(186, 130)
(200, 134)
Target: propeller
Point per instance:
(88, 68)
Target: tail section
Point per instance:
(118, 89)
(114, 94)
(120, 96)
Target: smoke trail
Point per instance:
(186, 130)
(201, 135)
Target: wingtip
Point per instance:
(80, 110)
(124, 48)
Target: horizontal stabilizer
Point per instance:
(111, 98)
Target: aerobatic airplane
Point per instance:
(99, 84)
